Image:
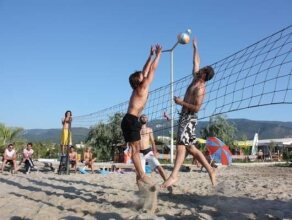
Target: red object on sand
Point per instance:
(219, 151)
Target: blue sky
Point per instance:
(67, 54)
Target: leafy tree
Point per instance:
(220, 127)
(98, 139)
(272, 147)
(104, 137)
(116, 133)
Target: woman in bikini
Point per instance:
(66, 137)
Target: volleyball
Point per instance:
(183, 38)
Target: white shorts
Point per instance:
(150, 159)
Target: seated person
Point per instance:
(88, 159)
(73, 158)
(27, 157)
(9, 157)
(261, 155)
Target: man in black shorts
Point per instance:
(191, 104)
(140, 82)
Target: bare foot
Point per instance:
(169, 182)
(146, 179)
(213, 178)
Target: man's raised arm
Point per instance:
(153, 66)
(196, 58)
(148, 63)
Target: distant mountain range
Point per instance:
(247, 128)
(54, 135)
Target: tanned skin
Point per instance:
(192, 103)
(137, 102)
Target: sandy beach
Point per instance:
(242, 192)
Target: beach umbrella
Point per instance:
(219, 151)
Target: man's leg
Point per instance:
(14, 166)
(163, 175)
(135, 146)
(154, 164)
(180, 157)
(62, 149)
(202, 159)
(161, 172)
(3, 165)
(75, 166)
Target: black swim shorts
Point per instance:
(131, 128)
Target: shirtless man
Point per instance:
(148, 148)
(140, 82)
(191, 104)
(73, 158)
(88, 159)
(66, 138)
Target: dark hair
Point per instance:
(141, 116)
(134, 79)
(29, 143)
(209, 72)
(68, 112)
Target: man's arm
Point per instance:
(147, 80)
(25, 154)
(197, 104)
(152, 141)
(147, 65)
(5, 155)
(68, 119)
(14, 156)
(196, 58)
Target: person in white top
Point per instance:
(9, 157)
(27, 157)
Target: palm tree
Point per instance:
(8, 135)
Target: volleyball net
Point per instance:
(258, 75)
